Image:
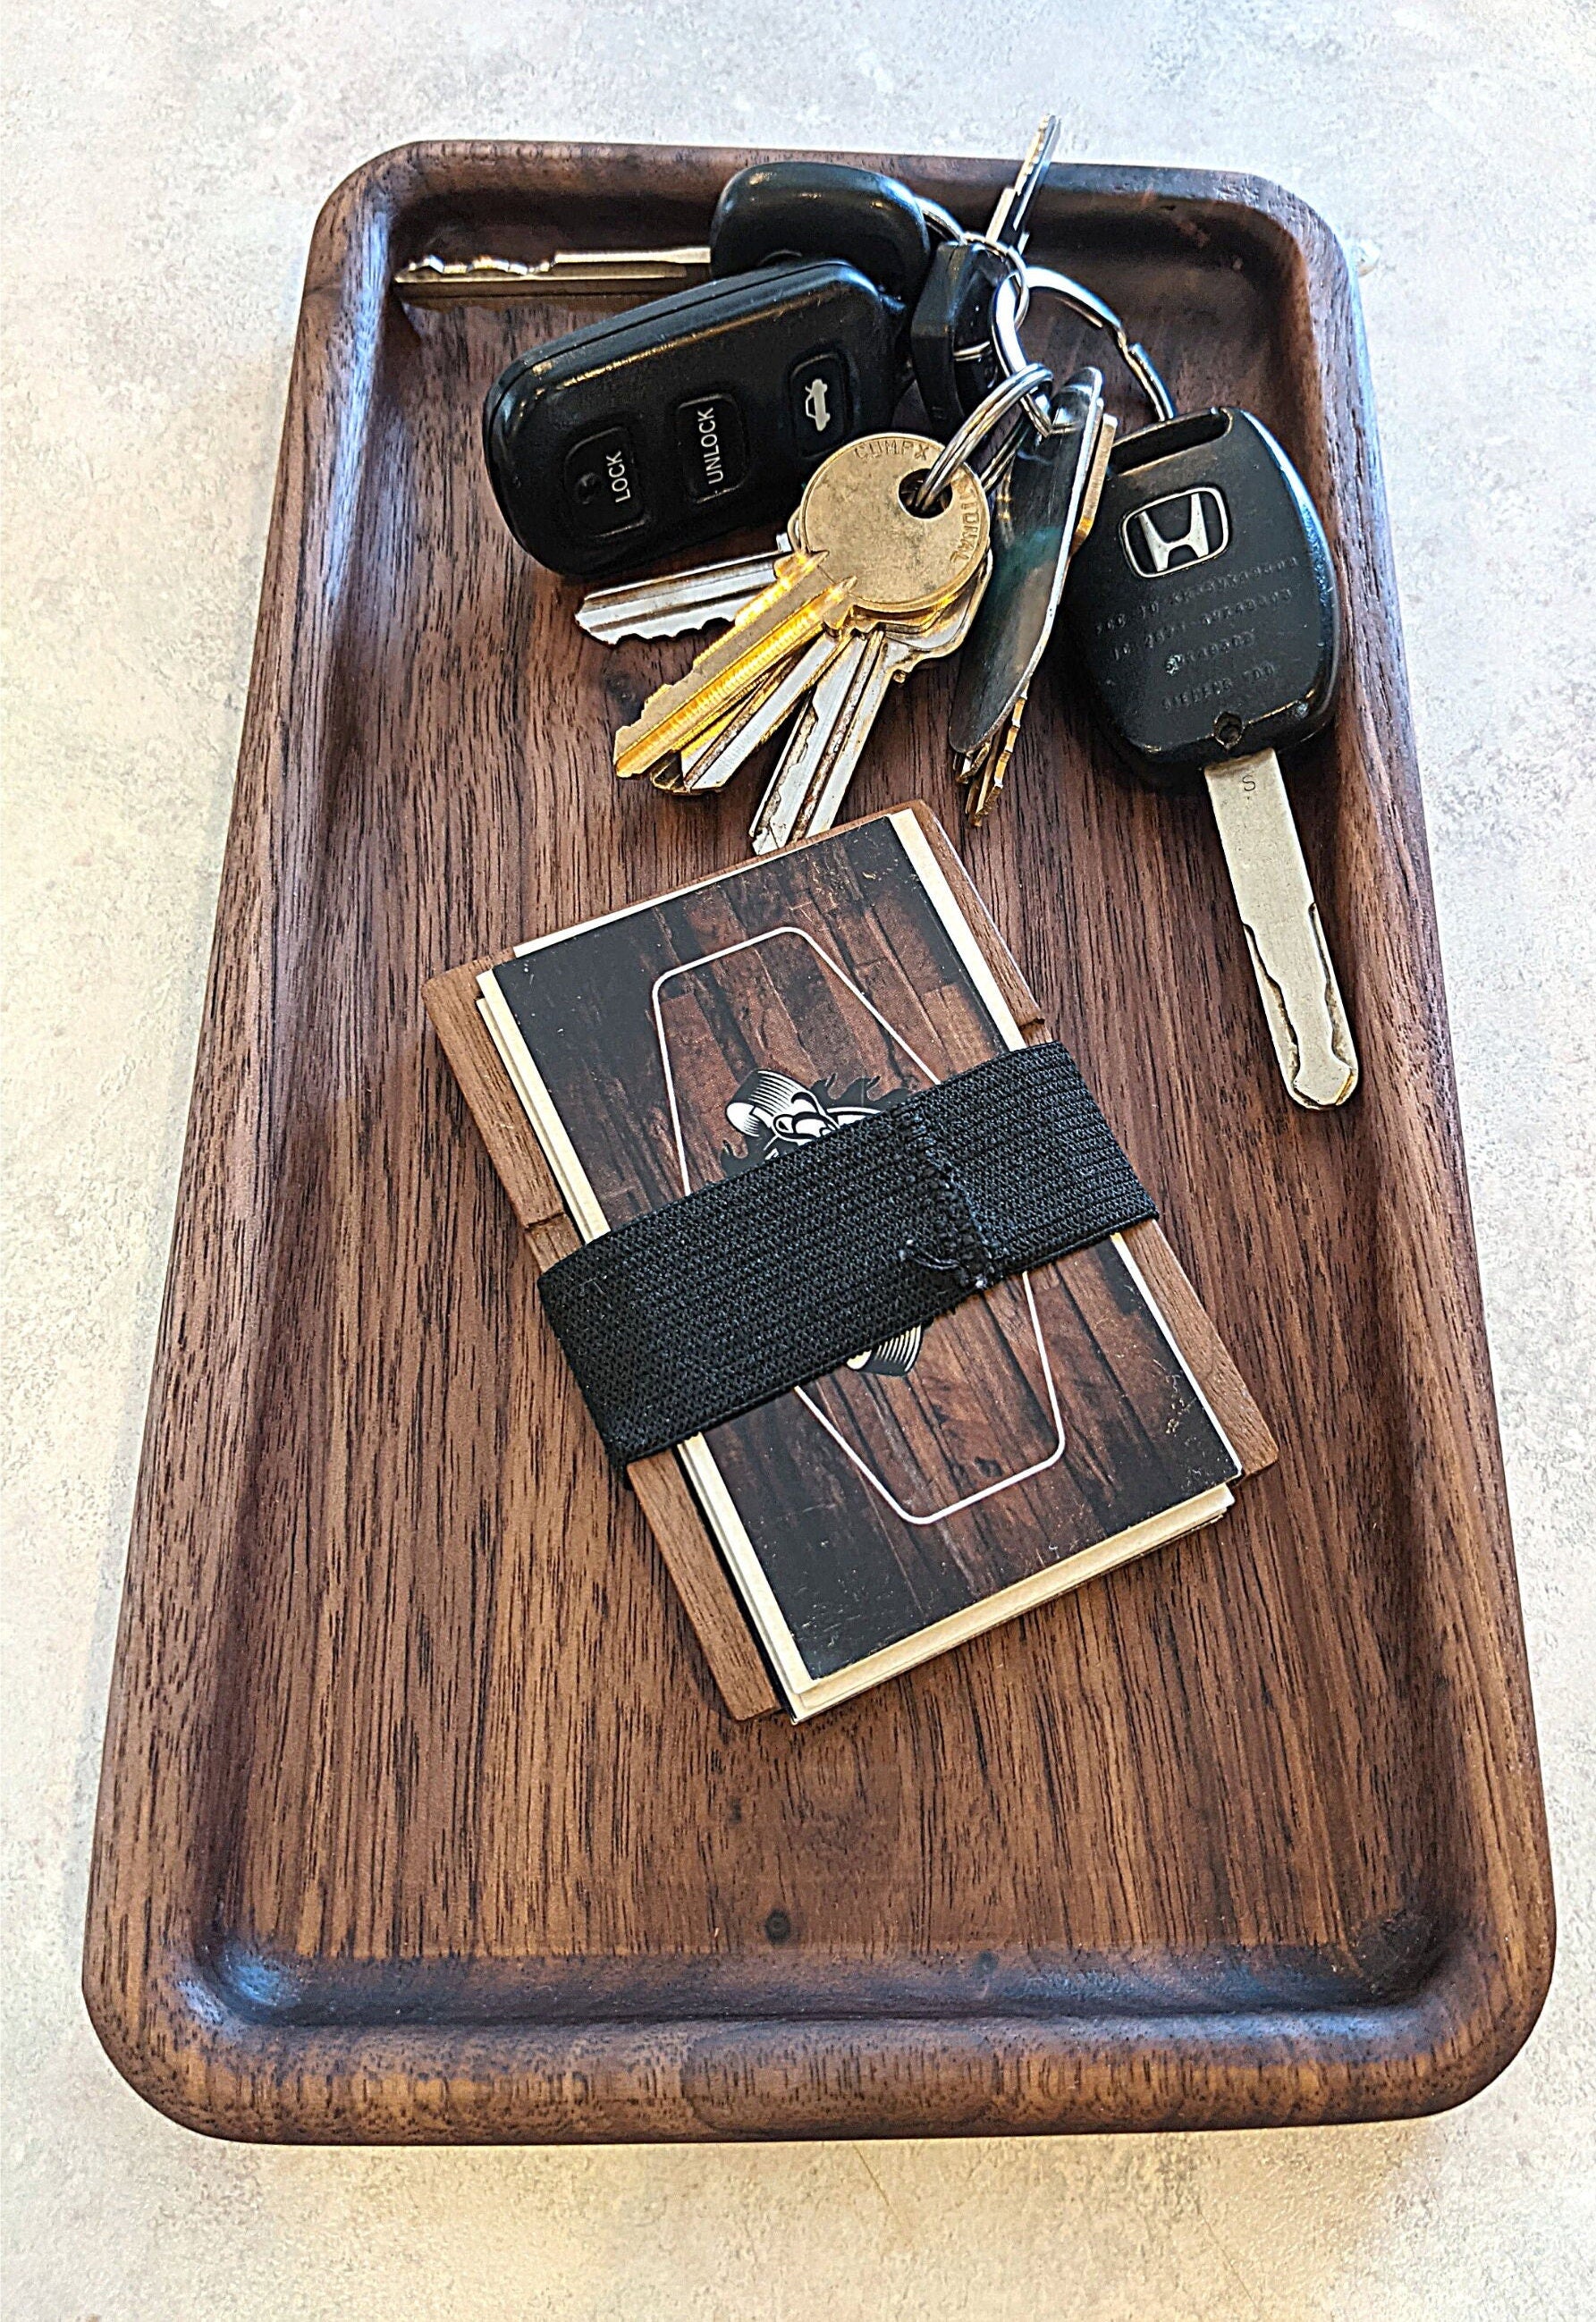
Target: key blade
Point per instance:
(1035, 524)
(1291, 957)
(802, 760)
(709, 764)
(667, 606)
(434, 281)
(1007, 222)
(802, 600)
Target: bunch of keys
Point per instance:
(1045, 475)
(706, 409)
(869, 584)
(1044, 493)
(834, 690)
(1193, 677)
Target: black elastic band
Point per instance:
(702, 1309)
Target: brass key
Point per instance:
(866, 557)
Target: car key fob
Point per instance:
(821, 209)
(684, 419)
(1202, 608)
(1204, 613)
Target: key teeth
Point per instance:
(989, 769)
(680, 602)
(1285, 936)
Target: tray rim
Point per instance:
(184, 2036)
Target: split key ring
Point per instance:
(1011, 300)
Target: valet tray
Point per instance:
(421, 1817)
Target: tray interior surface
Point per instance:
(462, 1763)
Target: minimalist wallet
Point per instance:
(867, 1264)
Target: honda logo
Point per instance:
(1187, 528)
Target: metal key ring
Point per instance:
(941, 224)
(955, 453)
(1009, 307)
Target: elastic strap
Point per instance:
(682, 1320)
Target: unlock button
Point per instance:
(711, 445)
(818, 399)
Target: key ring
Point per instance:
(941, 224)
(1019, 387)
(1008, 308)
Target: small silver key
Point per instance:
(672, 605)
(1006, 222)
(806, 791)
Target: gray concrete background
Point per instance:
(166, 163)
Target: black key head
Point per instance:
(821, 209)
(1202, 606)
(955, 358)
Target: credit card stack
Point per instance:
(1044, 1430)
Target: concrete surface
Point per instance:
(164, 165)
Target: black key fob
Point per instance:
(955, 359)
(821, 209)
(684, 419)
(1202, 606)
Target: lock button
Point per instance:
(818, 400)
(604, 485)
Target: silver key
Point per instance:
(819, 736)
(806, 792)
(670, 606)
(1291, 957)
(1006, 222)
(434, 281)
(709, 762)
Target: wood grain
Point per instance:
(422, 1818)
(708, 1598)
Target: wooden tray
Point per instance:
(421, 1819)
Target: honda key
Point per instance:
(1203, 610)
